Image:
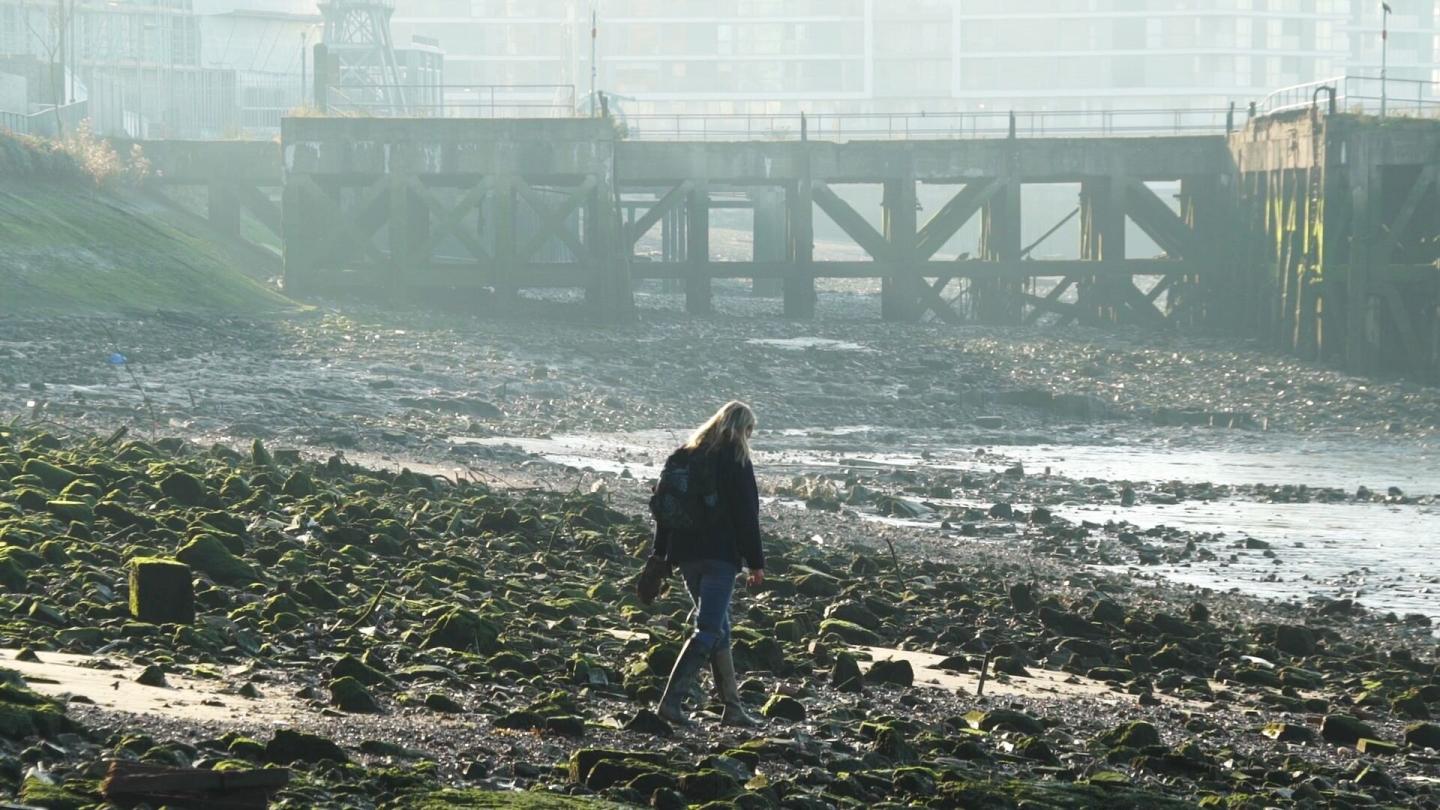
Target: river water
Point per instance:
(1381, 554)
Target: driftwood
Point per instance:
(128, 783)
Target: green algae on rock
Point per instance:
(161, 591)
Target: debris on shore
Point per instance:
(442, 642)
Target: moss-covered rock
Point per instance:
(850, 632)
(1288, 732)
(351, 667)
(1137, 734)
(1342, 729)
(1423, 735)
(584, 760)
(1004, 719)
(845, 673)
(207, 554)
(708, 786)
(68, 796)
(67, 511)
(51, 475)
(288, 746)
(350, 695)
(896, 672)
(183, 488)
(784, 707)
(464, 631)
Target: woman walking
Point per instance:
(709, 560)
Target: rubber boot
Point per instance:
(722, 665)
(687, 666)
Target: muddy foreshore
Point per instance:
(481, 605)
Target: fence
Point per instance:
(453, 101)
(1359, 94)
(928, 126)
(44, 122)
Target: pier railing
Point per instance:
(928, 126)
(1412, 98)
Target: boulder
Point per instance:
(894, 672)
(349, 695)
(289, 746)
(784, 707)
(1004, 718)
(1138, 734)
(1295, 640)
(1423, 735)
(207, 554)
(183, 488)
(463, 631)
(850, 632)
(1289, 732)
(1342, 729)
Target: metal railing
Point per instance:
(454, 101)
(927, 126)
(1358, 94)
(43, 122)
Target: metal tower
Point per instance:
(357, 38)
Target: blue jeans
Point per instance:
(711, 584)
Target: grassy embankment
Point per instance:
(73, 241)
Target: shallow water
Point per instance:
(1376, 553)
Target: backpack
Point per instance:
(687, 497)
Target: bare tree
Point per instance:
(58, 21)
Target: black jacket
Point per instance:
(737, 537)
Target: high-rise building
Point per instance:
(781, 56)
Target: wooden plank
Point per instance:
(1414, 346)
(127, 783)
(1136, 303)
(347, 237)
(1391, 238)
(448, 219)
(1047, 304)
(951, 217)
(553, 219)
(1053, 297)
(663, 206)
(854, 225)
(931, 298)
(970, 269)
(1157, 220)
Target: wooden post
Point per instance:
(1102, 239)
(506, 275)
(297, 241)
(401, 248)
(899, 293)
(698, 300)
(770, 238)
(997, 300)
(800, 283)
(1364, 188)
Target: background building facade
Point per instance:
(878, 56)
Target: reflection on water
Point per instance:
(1368, 551)
(1361, 550)
(1414, 469)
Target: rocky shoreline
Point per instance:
(461, 633)
(443, 636)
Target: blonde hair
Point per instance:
(729, 427)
